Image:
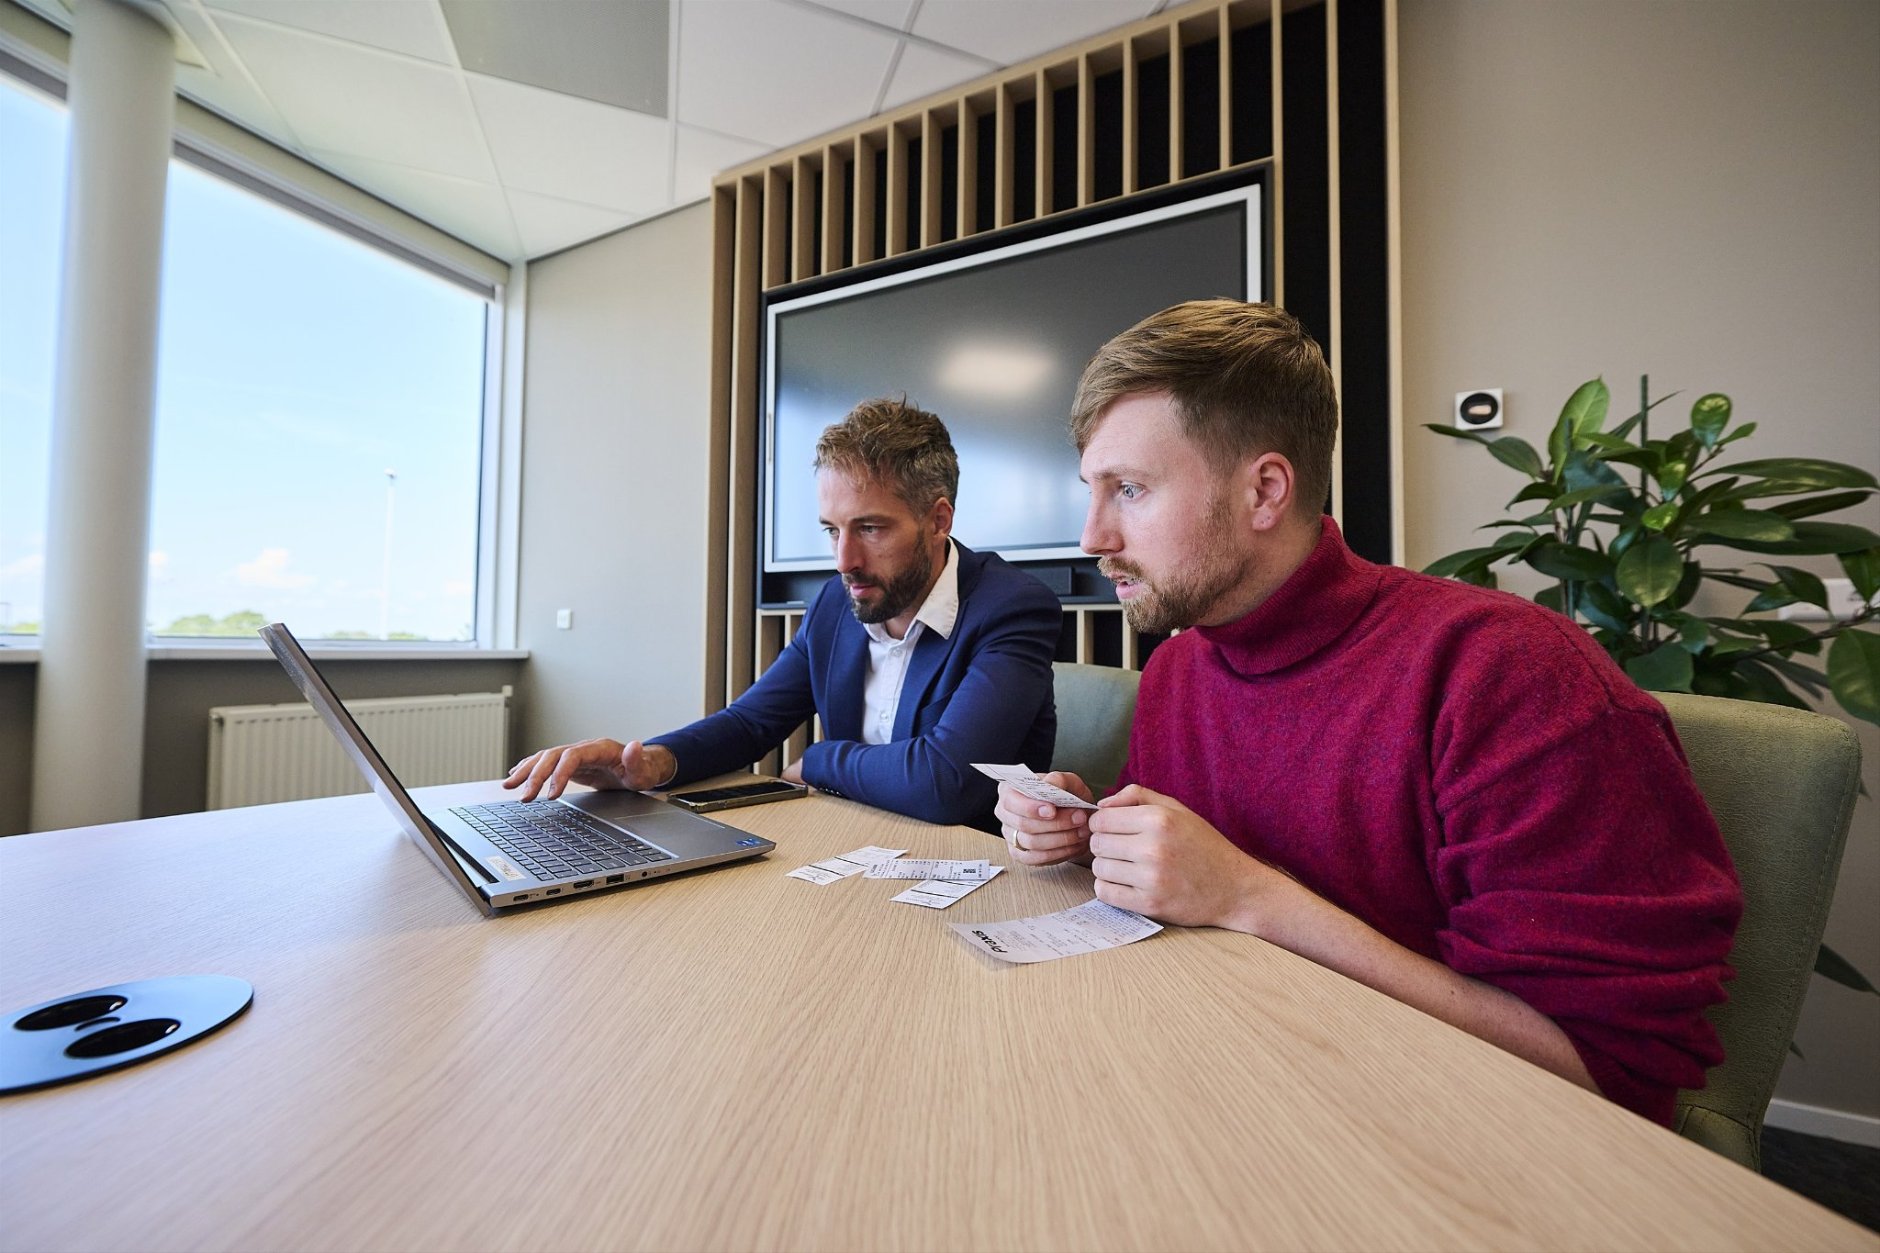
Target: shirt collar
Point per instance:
(1315, 605)
(939, 611)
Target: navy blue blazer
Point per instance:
(980, 694)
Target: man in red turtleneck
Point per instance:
(1447, 793)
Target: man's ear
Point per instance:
(942, 517)
(1268, 486)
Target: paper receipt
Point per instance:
(1033, 786)
(1087, 928)
(931, 868)
(856, 860)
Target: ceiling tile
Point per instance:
(407, 26)
(890, 13)
(923, 71)
(549, 225)
(573, 149)
(221, 85)
(773, 71)
(701, 155)
(474, 212)
(1017, 30)
(344, 98)
(603, 50)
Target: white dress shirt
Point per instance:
(888, 657)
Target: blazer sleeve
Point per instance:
(779, 702)
(988, 717)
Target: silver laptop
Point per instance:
(522, 853)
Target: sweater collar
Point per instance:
(1316, 604)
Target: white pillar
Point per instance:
(88, 733)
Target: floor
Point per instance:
(1843, 1177)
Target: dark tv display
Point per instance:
(993, 342)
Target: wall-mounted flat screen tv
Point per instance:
(993, 340)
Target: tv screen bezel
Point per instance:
(1248, 185)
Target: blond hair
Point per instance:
(1246, 379)
(898, 445)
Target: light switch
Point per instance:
(564, 619)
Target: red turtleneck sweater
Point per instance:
(1469, 774)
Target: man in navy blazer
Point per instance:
(920, 655)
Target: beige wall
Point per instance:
(616, 402)
(1685, 188)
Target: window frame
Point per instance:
(224, 150)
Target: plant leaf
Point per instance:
(1585, 410)
(1666, 668)
(1598, 492)
(1831, 965)
(1810, 539)
(1752, 524)
(1570, 562)
(1854, 673)
(1709, 415)
(1807, 471)
(1454, 563)
(1650, 570)
(1602, 607)
(1512, 450)
(1456, 432)
(1660, 515)
(1793, 509)
(1802, 585)
(1863, 568)
(1742, 432)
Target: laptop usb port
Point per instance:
(552, 892)
(584, 883)
(522, 896)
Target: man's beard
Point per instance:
(898, 593)
(1184, 596)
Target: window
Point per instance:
(319, 415)
(32, 209)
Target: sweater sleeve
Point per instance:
(1583, 873)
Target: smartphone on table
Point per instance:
(737, 795)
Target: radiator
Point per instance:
(259, 754)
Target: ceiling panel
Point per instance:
(775, 72)
(475, 212)
(603, 50)
(574, 149)
(893, 14)
(549, 225)
(408, 26)
(922, 71)
(344, 98)
(1010, 31)
(701, 155)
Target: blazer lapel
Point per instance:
(930, 653)
(848, 674)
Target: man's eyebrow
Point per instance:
(1115, 472)
(859, 518)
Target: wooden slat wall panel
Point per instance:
(819, 209)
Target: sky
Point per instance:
(296, 367)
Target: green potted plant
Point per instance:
(1631, 528)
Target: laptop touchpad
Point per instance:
(613, 806)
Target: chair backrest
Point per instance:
(1094, 708)
(1781, 783)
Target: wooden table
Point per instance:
(740, 1060)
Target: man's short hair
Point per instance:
(896, 444)
(1246, 379)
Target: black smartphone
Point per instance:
(761, 792)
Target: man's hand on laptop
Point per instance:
(597, 763)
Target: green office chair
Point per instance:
(1781, 783)
(1094, 707)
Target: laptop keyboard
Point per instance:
(558, 842)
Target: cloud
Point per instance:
(159, 566)
(31, 563)
(459, 587)
(270, 570)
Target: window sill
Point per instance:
(372, 651)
